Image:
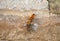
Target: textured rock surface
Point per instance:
(54, 6)
(12, 21)
(12, 27)
(24, 4)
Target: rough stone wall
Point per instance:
(54, 6)
(12, 21)
(39, 7)
(24, 4)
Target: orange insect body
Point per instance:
(29, 21)
(31, 18)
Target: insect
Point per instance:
(29, 22)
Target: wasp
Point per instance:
(29, 21)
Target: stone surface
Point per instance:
(14, 15)
(54, 6)
(12, 29)
(24, 4)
